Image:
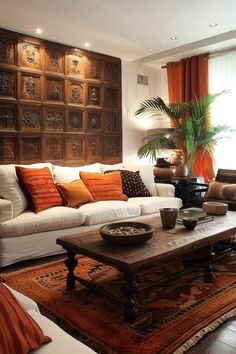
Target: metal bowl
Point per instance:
(123, 238)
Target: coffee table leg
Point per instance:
(70, 263)
(208, 273)
(130, 289)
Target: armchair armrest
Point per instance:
(6, 210)
(165, 190)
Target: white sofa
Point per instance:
(61, 342)
(27, 235)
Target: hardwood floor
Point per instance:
(220, 341)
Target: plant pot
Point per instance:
(163, 162)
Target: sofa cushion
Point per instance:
(64, 174)
(10, 188)
(40, 187)
(108, 211)
(74, 193)
(50, 219)
(19, 332)
(6, 210)
(104, 187)
(132, 184)
(62, 343)
(151, 205)
(220, 190)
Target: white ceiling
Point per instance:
(129, 29)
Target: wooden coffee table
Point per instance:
(165, 244)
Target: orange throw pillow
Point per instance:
(74, 193)
(40, 187)
(104, 187)
(19, 333)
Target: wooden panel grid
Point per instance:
(58, 103)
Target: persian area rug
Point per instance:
(182, 310)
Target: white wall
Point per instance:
(134, 128)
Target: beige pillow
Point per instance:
(220, 190)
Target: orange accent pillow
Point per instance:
(40, 187)
(104, 187)
(19, 332)
(74, 193)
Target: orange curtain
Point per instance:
(188, 78)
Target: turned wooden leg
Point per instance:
(70, 263)
(208, 262)
(130, 289)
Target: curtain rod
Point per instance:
(212, 54)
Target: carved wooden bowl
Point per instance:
(120, 233)
(215, 208)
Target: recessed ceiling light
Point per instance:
(87, 44)
(39, 30)
(213, 24)
(173, 38)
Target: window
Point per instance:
(222, 76)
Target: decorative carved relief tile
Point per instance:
(54, 90)
(30, 55)
(111, 97)
(30, 87)
(112, 72)
(7, 117)
(94, 95)
(111, 147)
(111, 122)
(74, 65)
(75, 120)
(93, 148)
(30, 118)
(94, 121)
(7, 84)
(31, 148)
(7, 52)
(53, 148)
(74, 148)
(54, 60)
(7, 149)
(53, 118)
(93, 68)
(75, 92)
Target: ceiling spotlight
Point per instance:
(87, 44)
(213, 24)
(173, 38)
(39, 30)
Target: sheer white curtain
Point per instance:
(222, 75)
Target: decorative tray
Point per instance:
(126, 233)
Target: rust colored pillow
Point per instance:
(104, 187)
(19, 333)
(39, 186)
(220, 190)
(74, 193)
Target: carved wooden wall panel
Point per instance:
(58, 103)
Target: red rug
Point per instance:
(182, 311)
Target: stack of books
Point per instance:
(193, 213)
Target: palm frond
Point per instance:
(151, 148)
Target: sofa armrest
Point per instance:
(6, 210)
(165, 190)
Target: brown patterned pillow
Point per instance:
(219, 190)
(132, 184)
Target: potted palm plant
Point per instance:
(191, 130)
